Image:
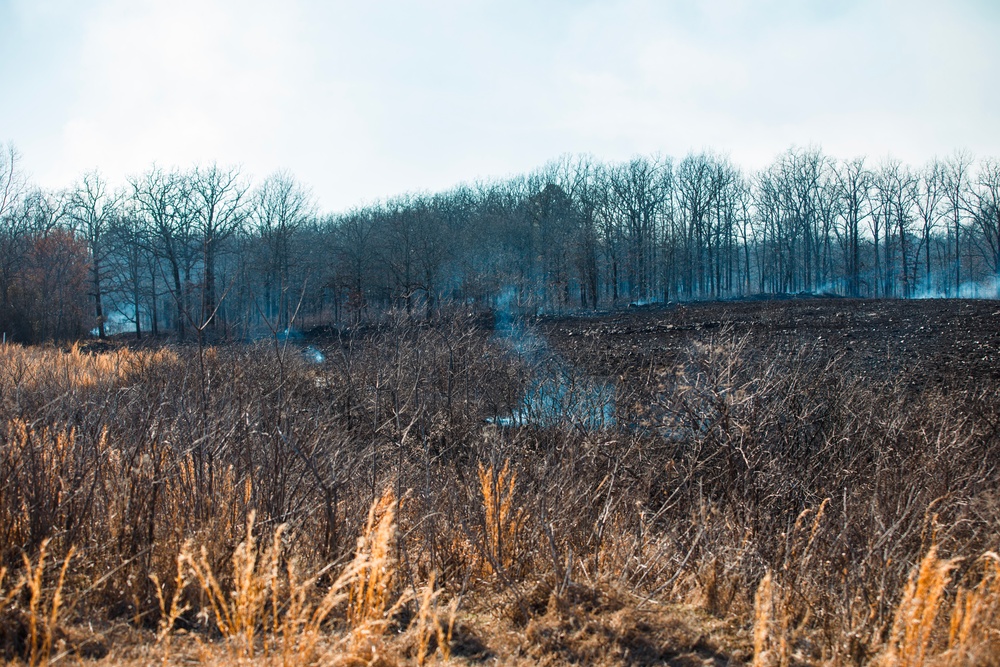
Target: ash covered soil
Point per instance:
(945, 344)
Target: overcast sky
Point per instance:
(368, 98)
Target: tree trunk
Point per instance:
(209, 298)
(179, 295)
(98, 306)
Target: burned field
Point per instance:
(948, 344)
(804, 481)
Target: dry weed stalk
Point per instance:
(770, 626)
(42, 624)
(284, 607)
(430, 626)
(170, 614)
(297, 627)
(916, 615)
(372, 585)
(780, 610)
(9, 596)
(502, 519)
(975, 615)
(366, 585)
(242, 612)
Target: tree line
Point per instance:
(207, 252)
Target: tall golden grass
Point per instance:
(935, 623)
(40, 615)
(31, 368)
(502, 519)
(277, 612)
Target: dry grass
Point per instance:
(501, 518)
(973, 637)
(223, 506)
(932, 628)
(917, 615)
(33, 368)
(36, 624)
(269, 610)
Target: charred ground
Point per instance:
(950, 344)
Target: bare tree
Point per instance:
(956, 175)
(354, 246)
(726, 183)
(829, 207)
(895, 187)
(854, 183)
(92, 206)
(576, 177)
(13, 231)
(434, 249)
(929, 200)
(745, 228)
(218, 200)
(12, 182)
(398, 220)
(638, 193)
(608, 230)
(987, 211)
(47, 272)
(696, 185)
(131, 256)
(281, 206)
(161, 198)
(796, 175)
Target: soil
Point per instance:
(952, 345)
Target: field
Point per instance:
(786, 482)
(928, 344)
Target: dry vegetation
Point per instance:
(751, 503)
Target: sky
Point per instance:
(366, 99)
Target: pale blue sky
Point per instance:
(363, 100)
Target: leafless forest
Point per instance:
(205, 251)
(497, 426)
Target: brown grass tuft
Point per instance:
(502, 519)
(916, 617)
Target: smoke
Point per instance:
(117, 322)
(988, 288)
(558, 394)
(645, 302)
(312, 355)
(564, 400)
(509, 325)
